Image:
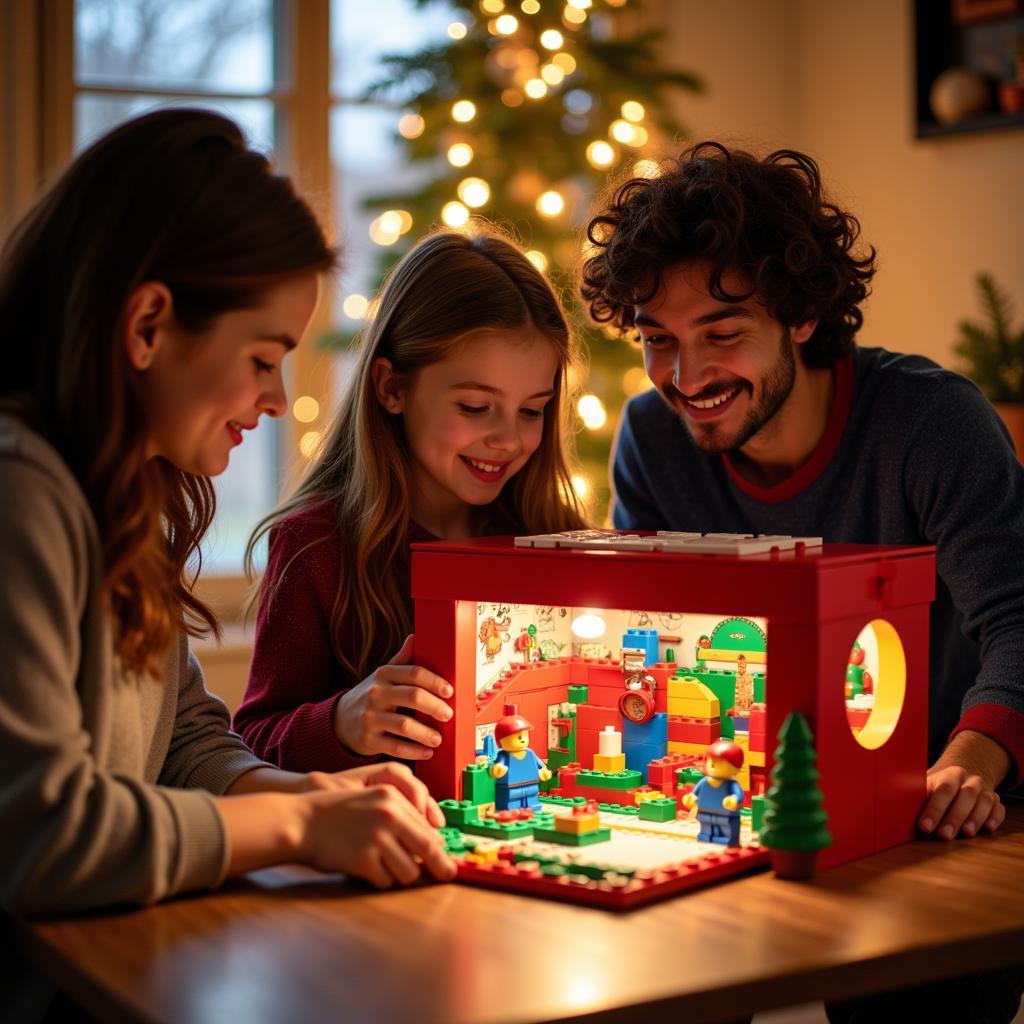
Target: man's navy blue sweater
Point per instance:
(912, 454)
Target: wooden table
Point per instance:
(287, 946)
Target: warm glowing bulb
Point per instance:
(530, 7)
(454, 214)
(581, 485)
(355, 306)
(574, 16)
(646, 169)
(538, 259)
(635, 380)
(622, 131)
(401, 218)
(309, 443)
(552, 74)
(457, 30)
(550, 203)
(507, 24)
(492, 6)
(474, 191)
(511, 97)
(589, 625)
(592, 412)
(385, 230)
(460, 154)
(464, 110)
(580, 5)
(633, 111)
(306, 409)
(410, 126)
(565, 61)
(551, 39)
(600, 154)
(391, 221)
(535, 88)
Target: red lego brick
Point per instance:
(686, 729)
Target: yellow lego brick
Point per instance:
(577, 824)
(689, 689)
(650, 794)
(697, 749)
(756, 759)
(692, 707)
(609, 763)
(742, 739)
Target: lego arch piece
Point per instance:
(881, 697)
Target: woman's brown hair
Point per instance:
(174, 196)
(449, 285)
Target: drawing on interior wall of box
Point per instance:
(551, 649)
(545, 614)
(640, 620)
(670, 620)
(494, 632)
(595, 651)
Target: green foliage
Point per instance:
(993, 353)
(524, 147)
(794, 819)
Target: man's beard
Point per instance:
(776, 387)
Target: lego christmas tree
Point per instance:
(794, 819)
(520, 116)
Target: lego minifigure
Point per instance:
(517, 770)
(718, 796)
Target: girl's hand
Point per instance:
(367, 721)
(386, 773)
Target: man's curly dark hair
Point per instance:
(766, 218)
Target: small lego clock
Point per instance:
(637, 703)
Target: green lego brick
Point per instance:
(577, 694)
(454, 841)
(627, 809)
(564, 801)
(477, 784)
(688, 776)
(757, 812)
(658, 810)
(551, 835)
(459, 812)
(499, 829)
(559, 758)
(759, 688)
(627, 779)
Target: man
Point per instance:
(742, 281)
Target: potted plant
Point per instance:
(993, 355)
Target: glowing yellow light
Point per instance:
(551, 39)
(639, 136)
(580, 5)
(385, 230)
(391, 221)
(635, 380)
(402, 218)
(454, 214)
(565, 61)
(600, 154)
(309, 443)
(306, 409)
(492, 6)
(581, 485)
(355, 306)
(538, 259)
(616, 3)
(512, 97)
(535, 88)
(474, 191)
(530, 7)
(457, 30)
(527, 58)
(573, 16)
(464, 110)
(646, 169)
(622, 131)
(550, 203)
(410, 126)
(592, 412)
(507, 24)
(552, 74)
(633, 111)
(460, 154)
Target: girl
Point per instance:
(146, 305)
(452, 428)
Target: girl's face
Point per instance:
(203, 391)
(471, 420)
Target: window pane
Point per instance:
(202, 44)
(362, 31)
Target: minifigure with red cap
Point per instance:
(718, 795)
(517, 770)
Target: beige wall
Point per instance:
(835, 79)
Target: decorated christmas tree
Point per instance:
(520, 117)
(794, 819)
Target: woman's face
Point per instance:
(204, 390)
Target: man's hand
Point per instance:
(962, 787)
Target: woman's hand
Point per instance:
(367, 720)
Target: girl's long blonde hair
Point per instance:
(447, 286)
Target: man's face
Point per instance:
(727, 369)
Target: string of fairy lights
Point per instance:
(535, 61)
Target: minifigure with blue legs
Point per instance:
(517, 770)
(718, 796)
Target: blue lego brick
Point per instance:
(644, 639)
(644, 741)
